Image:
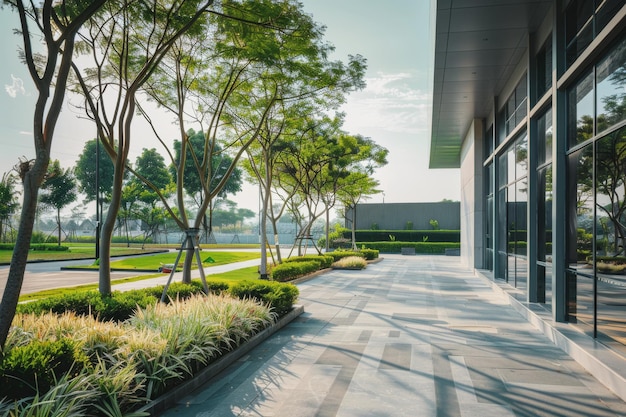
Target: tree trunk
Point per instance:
(354, 227)
(263, 270)
(15, 279)
(108, 227)
(59, 225)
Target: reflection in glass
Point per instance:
(580, 111)
(544, 214)
(580, 208)
(611, 88)
(521, 157)
(610, 239)
(544, 138)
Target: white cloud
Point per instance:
(16, 88)
(389, 102)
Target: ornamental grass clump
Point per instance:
(120, 365)
(350, 262)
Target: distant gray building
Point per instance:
(396, 216)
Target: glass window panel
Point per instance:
(544, 213)
(580, 111)
(578, 28)
(548, 283)
(605, 13)
(544, 68)
(544, 137)
(521, 224)
(502, 170)
(611, 194)
(521, 156)
(580, 207)
(501, 231)
(577, 15)
(611, 88)
(511, 163)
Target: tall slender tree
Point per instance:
(58, 191)
(127, 42)
(57, 23)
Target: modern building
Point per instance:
(530, 103)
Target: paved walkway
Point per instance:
(408, 336)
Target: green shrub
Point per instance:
(338, 254)
(420, 247)
(406, 235)
(119, 306)
(280, 296)
(369, 254)
(51, 248)
(81, 302)
(324, 260)
(350, 262)
(36, 366)
(291, 270)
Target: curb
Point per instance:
(170, 398)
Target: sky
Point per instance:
(394, 109)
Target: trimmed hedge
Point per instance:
(420, 247)
(119, 306)
(37, 247)
(338, 254)
(292, 270)
(423, 236)
(324, 260)
(370, 254)
(280, 296)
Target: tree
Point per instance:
(58, 27)
(230, 76)
(321, 158)
(150, 166)
(126, 43)
(58, 191)
(91, 170)
(354, 188)
(220, 170)
(8, 202)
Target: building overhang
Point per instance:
(478, 44)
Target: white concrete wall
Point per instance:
(471, 196)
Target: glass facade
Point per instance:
(588, 152)
(596, 241)
(584, 20)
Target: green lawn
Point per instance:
(153, 262)
(231, 276)
(76, 252)
(87, 251)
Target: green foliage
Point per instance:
(420, 247)
(292, 270)
(280, 296)
(350, 262)
(369, 254)
(374, 226)
(36, 366)
(324, 260)
(119, 306)
(336, 237)
(338, 254)
(408, 225)
(52, 248)
(407, 235)
(434, 224)
(40, 237)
